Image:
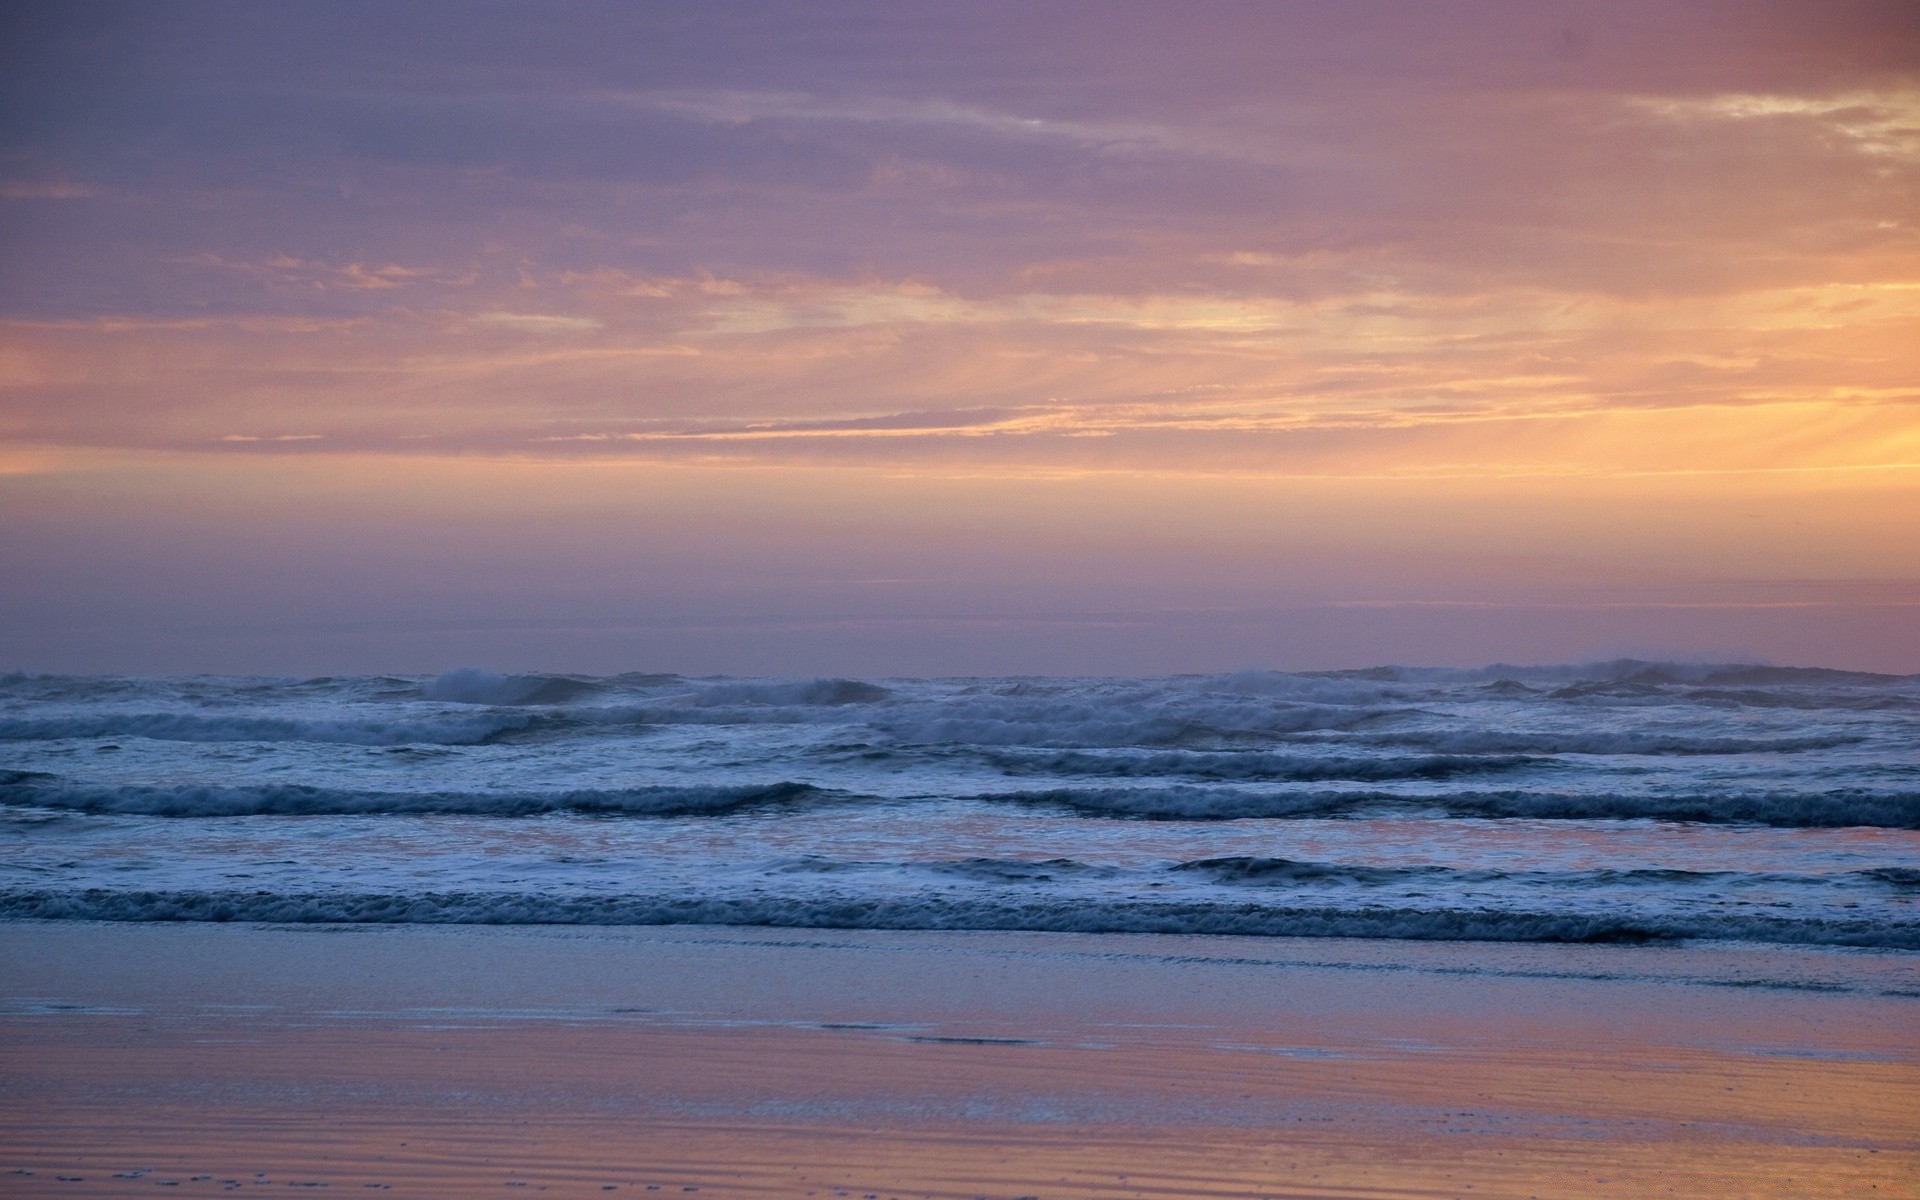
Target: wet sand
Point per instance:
(453, 1061)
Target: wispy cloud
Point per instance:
(1105, 136)
(1885, 123)
(551, 323)
(1445, 240)
(323, 276)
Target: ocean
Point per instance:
(1624, 802)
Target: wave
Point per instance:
(1837, 808)
(1830, 809)
(462, 729)
(1258, 871)
(470, 685)
(927, 912)
(1225, 741)
(1254, 765)
(1368, 685)
(1622, 742)
(1261, 871)
(1630, 671)
(1004, 870)
(977, 870)
(1464, 714)
(830, 693)
(1118, 721)
(42, 791)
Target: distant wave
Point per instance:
(1258, 871)
(22, 788)
(1160, 720)
(476, 685)
(1840, 807)
(803, 692)
(461, 729)
(1624, 708)
(946, 912)
(1631, 671)
(1188, 802)
(977, 869)
(1256, 766)
(1233, 736)
(1623, 742)
(469, 685)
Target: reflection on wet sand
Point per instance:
(99, 1104)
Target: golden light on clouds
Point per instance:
(1330, 252)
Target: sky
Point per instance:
(957, 338)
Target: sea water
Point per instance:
(1617, 802)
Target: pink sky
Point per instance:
(876, 339)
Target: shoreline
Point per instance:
(758, 1062)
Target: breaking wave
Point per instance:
(1624, 742)
(1178, 802)
(928, 912)
(1260, 766)
(304, 800)
(1259, 871)
(465, 729)
(810, 692)
(1837, 808)
(469, 685)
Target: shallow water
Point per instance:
(1623, 801)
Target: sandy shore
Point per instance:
(752, 1062)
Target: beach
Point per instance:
(435, 1061)
(930, 601)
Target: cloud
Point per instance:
(1884, 123)
(322, 276)
(538, 323)
(1107, 137)
(1123, 241)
